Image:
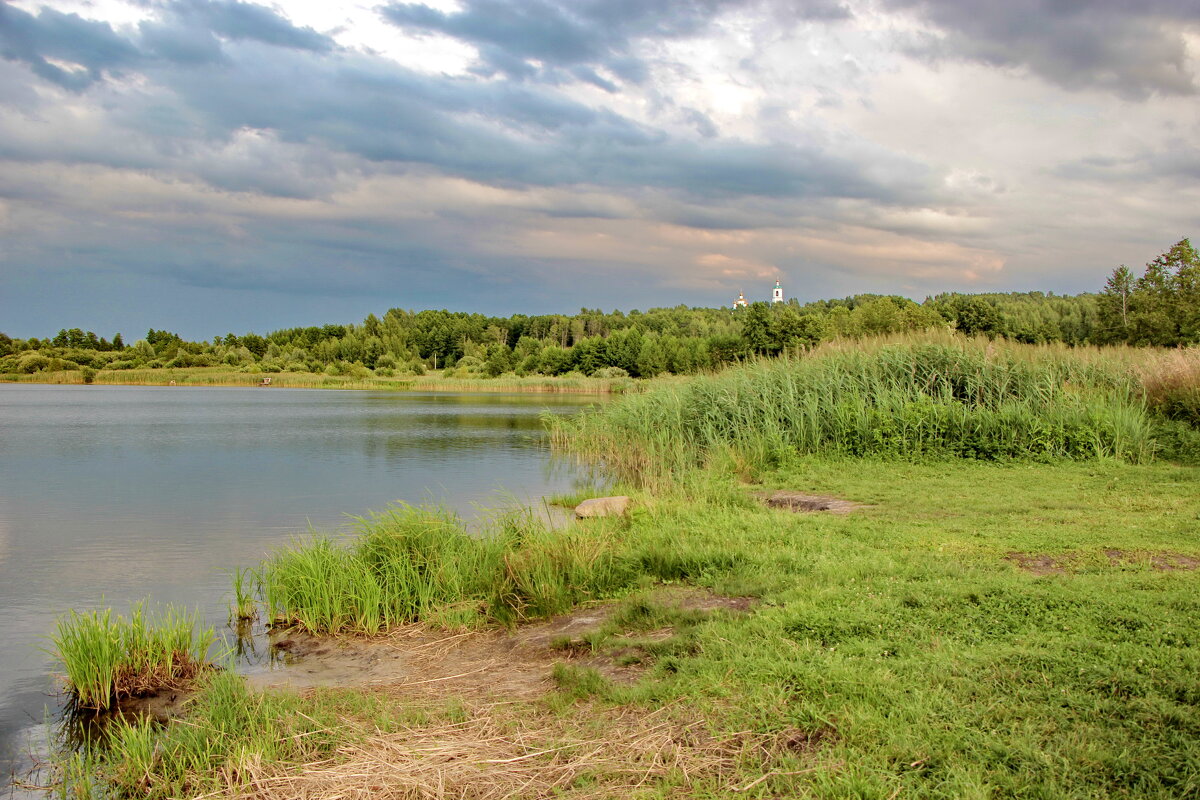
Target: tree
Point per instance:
(756, 328)
(652, 359)
(974, 316)
(1114, 305)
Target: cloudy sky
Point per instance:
(215, 165)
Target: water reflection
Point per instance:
(113, 494)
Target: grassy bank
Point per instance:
(991, 630)
(431, 382)
(1010, 612)
(925, 397)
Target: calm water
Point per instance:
(113, 494)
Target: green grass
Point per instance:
(934, 664)
(106, 658)
(930, 397)
(902, 637)
(417, 564)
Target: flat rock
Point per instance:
(603, 507)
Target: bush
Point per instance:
(32, 362)
(610, 372)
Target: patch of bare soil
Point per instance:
(1042, 564)
(800, 503)
(1160, 560)
(1039, 563)
(497, 751)
(514, 664)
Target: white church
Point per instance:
(776, 297)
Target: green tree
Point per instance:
(1115, 305)
(652, 360)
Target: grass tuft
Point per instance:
(107, 658)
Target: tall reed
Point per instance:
(927, 397)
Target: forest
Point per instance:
(1160, 308)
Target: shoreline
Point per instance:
(203, 377)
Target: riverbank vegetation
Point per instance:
(1159, 308)
(912, 398)
(977, 629)
(432, 381)
(107, 658)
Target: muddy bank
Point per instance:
(515, 664)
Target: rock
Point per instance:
(603, 507)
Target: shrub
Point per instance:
(32, 362)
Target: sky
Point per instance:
(209, 166)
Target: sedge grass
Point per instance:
(413, 564)
(107, 657)
(936, 397)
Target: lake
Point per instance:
(109, 495)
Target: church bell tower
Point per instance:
(777, 293)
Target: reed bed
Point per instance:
(107, 658)
(413, 564)
(231, 733)
(1172, 384)
(916, 398)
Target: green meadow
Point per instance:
(1010, 610)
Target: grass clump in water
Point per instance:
(107, 658)
(416, 564)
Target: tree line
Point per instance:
(1160, 308)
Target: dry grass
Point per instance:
(504, 750)
(1172, 383)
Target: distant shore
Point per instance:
(433, 381)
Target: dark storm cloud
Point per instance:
(1130, 48)
(566, 34)
(503, 132)
(186, 34)
(34, 41)
(249, 22)
(517, 135)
